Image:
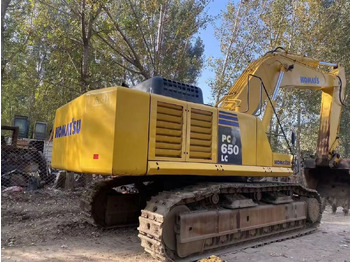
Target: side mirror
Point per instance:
(293, 138)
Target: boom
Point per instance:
(278, 69)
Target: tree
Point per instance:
(315, 28)
(155, 37)
(55, 50)
(239, 43)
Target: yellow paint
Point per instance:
(165, 113)
(131, 132)
(268, 68)
(331, 109)
(127, 132)
(299, 73)
(199, 115)
(247, 126)
(98, 121)
(66, 151)
(114, 133)
(208, 169)
(264, 152)
(283, 160)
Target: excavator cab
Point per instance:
(22, 123)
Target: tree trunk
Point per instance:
(228, 51)
(85, 56)
(85, 68)
(4, 5)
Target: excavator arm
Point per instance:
(327, 173)
(263, 78)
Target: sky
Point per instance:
(211, 46)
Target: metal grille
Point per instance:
(24, 164)
(169, 130)
(201, 134)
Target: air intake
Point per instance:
(161, 86)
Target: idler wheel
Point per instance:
(313, 210)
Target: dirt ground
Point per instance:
(47, 226)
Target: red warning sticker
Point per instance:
(95, 156)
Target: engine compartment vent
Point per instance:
(169, 130)
(201, 134)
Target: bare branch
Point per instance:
(142, 34)
(136, 60)
(228, 51)
(20, 49)
(112, 46)
(76, 69)
(83, 30)
(92, 20)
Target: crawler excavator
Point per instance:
(182, 169)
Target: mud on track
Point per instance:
(47, 226)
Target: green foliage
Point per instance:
(239, 44)
(315, 28)
(155, 37)
(55, 50)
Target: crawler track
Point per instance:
(102, 206)
(94, 201)
(157, 209)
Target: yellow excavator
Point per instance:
(183, 170)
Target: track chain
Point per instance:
(88, 202)
(88, 197)
(152, 217)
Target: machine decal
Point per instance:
(69, 129)
(282, 162)
(229, 139)
(309, 80)
(100, 99)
